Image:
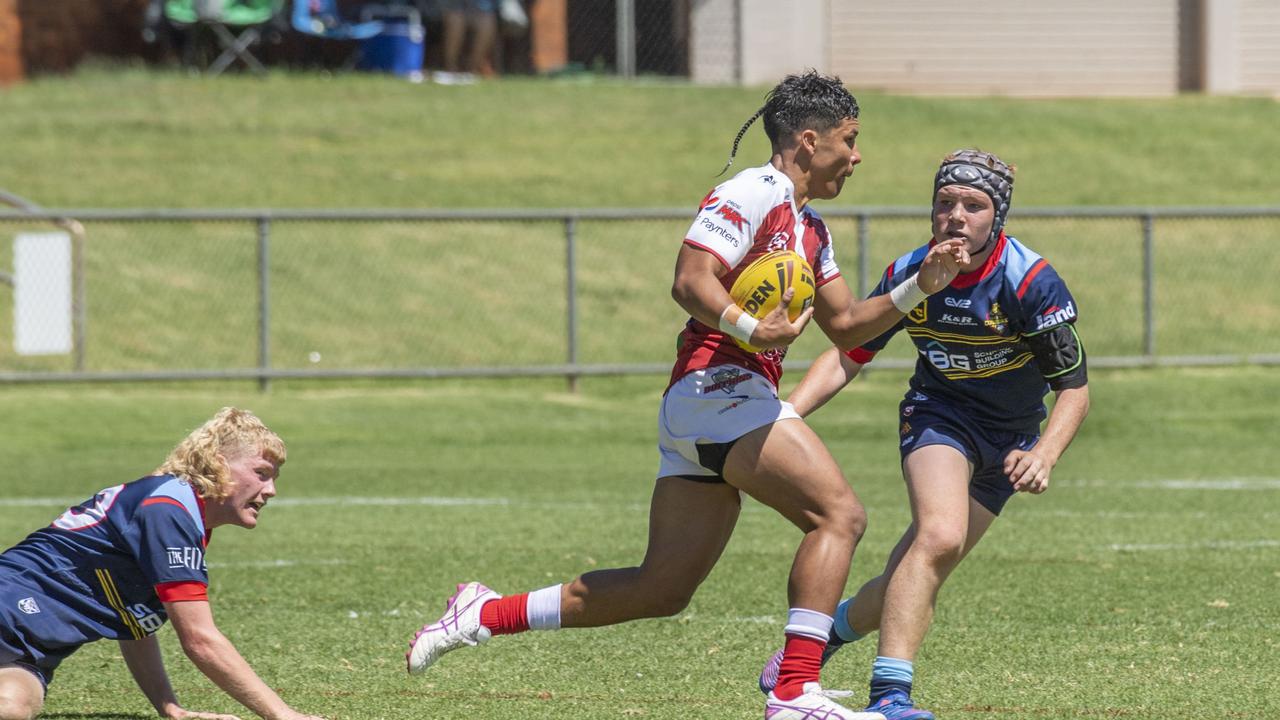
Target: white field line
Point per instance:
(269, 564)
(358, 500)
(1204, 545)
(1222, 483)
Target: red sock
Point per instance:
(507, 615)
(801, 663)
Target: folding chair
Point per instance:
(236, 25)
(321, 18)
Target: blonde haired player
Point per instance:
(723, 430)
(122, 562)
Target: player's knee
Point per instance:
(16, 705)
(665, 600)
(848, 518)
(942, 545)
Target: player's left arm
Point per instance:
(849, 322)
(1061, 359)
(146, 664)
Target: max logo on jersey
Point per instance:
(28, 605)
(731, 215)
(1056, 316)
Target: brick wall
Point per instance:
(10, 43)
(57, 34)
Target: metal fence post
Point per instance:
(626, 37)
(864, 252)
(264, 303)
(571, 304)
(1148, 287)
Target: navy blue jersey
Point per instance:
(103, 568)
(971, 335)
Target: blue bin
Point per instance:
(397, 49)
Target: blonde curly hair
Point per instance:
(201, 459)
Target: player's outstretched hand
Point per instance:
(1027, 471)
(941, 265)
(184, 714)
(776, 329)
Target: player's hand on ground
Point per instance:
(184, 714)
(942, 265)
(1028, 471)
(776, 329)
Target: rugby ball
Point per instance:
(759, 287)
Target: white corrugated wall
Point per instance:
(1008, 47)
(1259, 46)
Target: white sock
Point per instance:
(543, 608)
(809, 623)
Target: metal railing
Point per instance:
(881, 233)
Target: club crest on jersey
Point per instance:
(1056, 316)
(996, 319)
(28, 606)
(779, 241)
(726, 379)
(919, 314)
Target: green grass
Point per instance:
(392, 295)
(1141, 586)
(132, 138)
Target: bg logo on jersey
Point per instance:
(1056, 316)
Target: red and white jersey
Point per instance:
(751, 214)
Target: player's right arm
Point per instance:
(828, 375)
(219, 660)
(697, 289)
(147, 667)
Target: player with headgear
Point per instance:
(120, 564)
(991, 346)
(723, 430)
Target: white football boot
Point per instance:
(459, 627)
(812, 704)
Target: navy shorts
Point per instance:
(11, 652)
(924, 422)
(24, 618)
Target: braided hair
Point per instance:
(809, 101)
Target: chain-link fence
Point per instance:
(175, 294)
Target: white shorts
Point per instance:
(708, 408)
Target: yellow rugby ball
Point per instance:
(758, 289)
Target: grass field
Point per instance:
(1141, 586)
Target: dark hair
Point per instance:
(800, 102)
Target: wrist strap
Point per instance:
(907, 295)
(740, 328)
